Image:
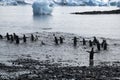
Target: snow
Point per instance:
(42, 7)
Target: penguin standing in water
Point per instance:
(75, 41)
(32, 37)
(91, 57)
(61, 40)
(17, 40)
(92, 54)
(24, 38)
(7, 35)
(95, 41)
(11, 38)
(103, 42)
(1, 37)
(14, 36)
(98, 46)
(90, 43)
(56, 40)
(104, 45)
(84, 41)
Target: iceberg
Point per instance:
(42, 7)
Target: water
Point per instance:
(20, 19)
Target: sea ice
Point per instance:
(42, 7)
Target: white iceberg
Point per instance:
(42, 7)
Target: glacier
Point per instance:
(80, 2)
(114, 3)
(42, 7)
(64, 2)
(14, 2)
(8, 2)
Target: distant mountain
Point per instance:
(65, 2)
(8, 2)
(114, 3)
(14, 2)
(118, 4)
(80, 2)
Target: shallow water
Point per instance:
(20, 19)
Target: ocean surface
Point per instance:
(20, 19)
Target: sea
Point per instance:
(20, 19)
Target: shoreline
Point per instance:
(35, 60)
(50, 50)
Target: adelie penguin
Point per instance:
(14, 35)
(7, 36)
(91, 57)
(61, 40)
(1, 37)
(103, 42)
(98, 46)
(24, 38)
(105, 46)
(11, 38)
(95, 40)
(56, 40)
(32, 37)
(75, 41)
(84, 41)
(17, 40)
(90, 43)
